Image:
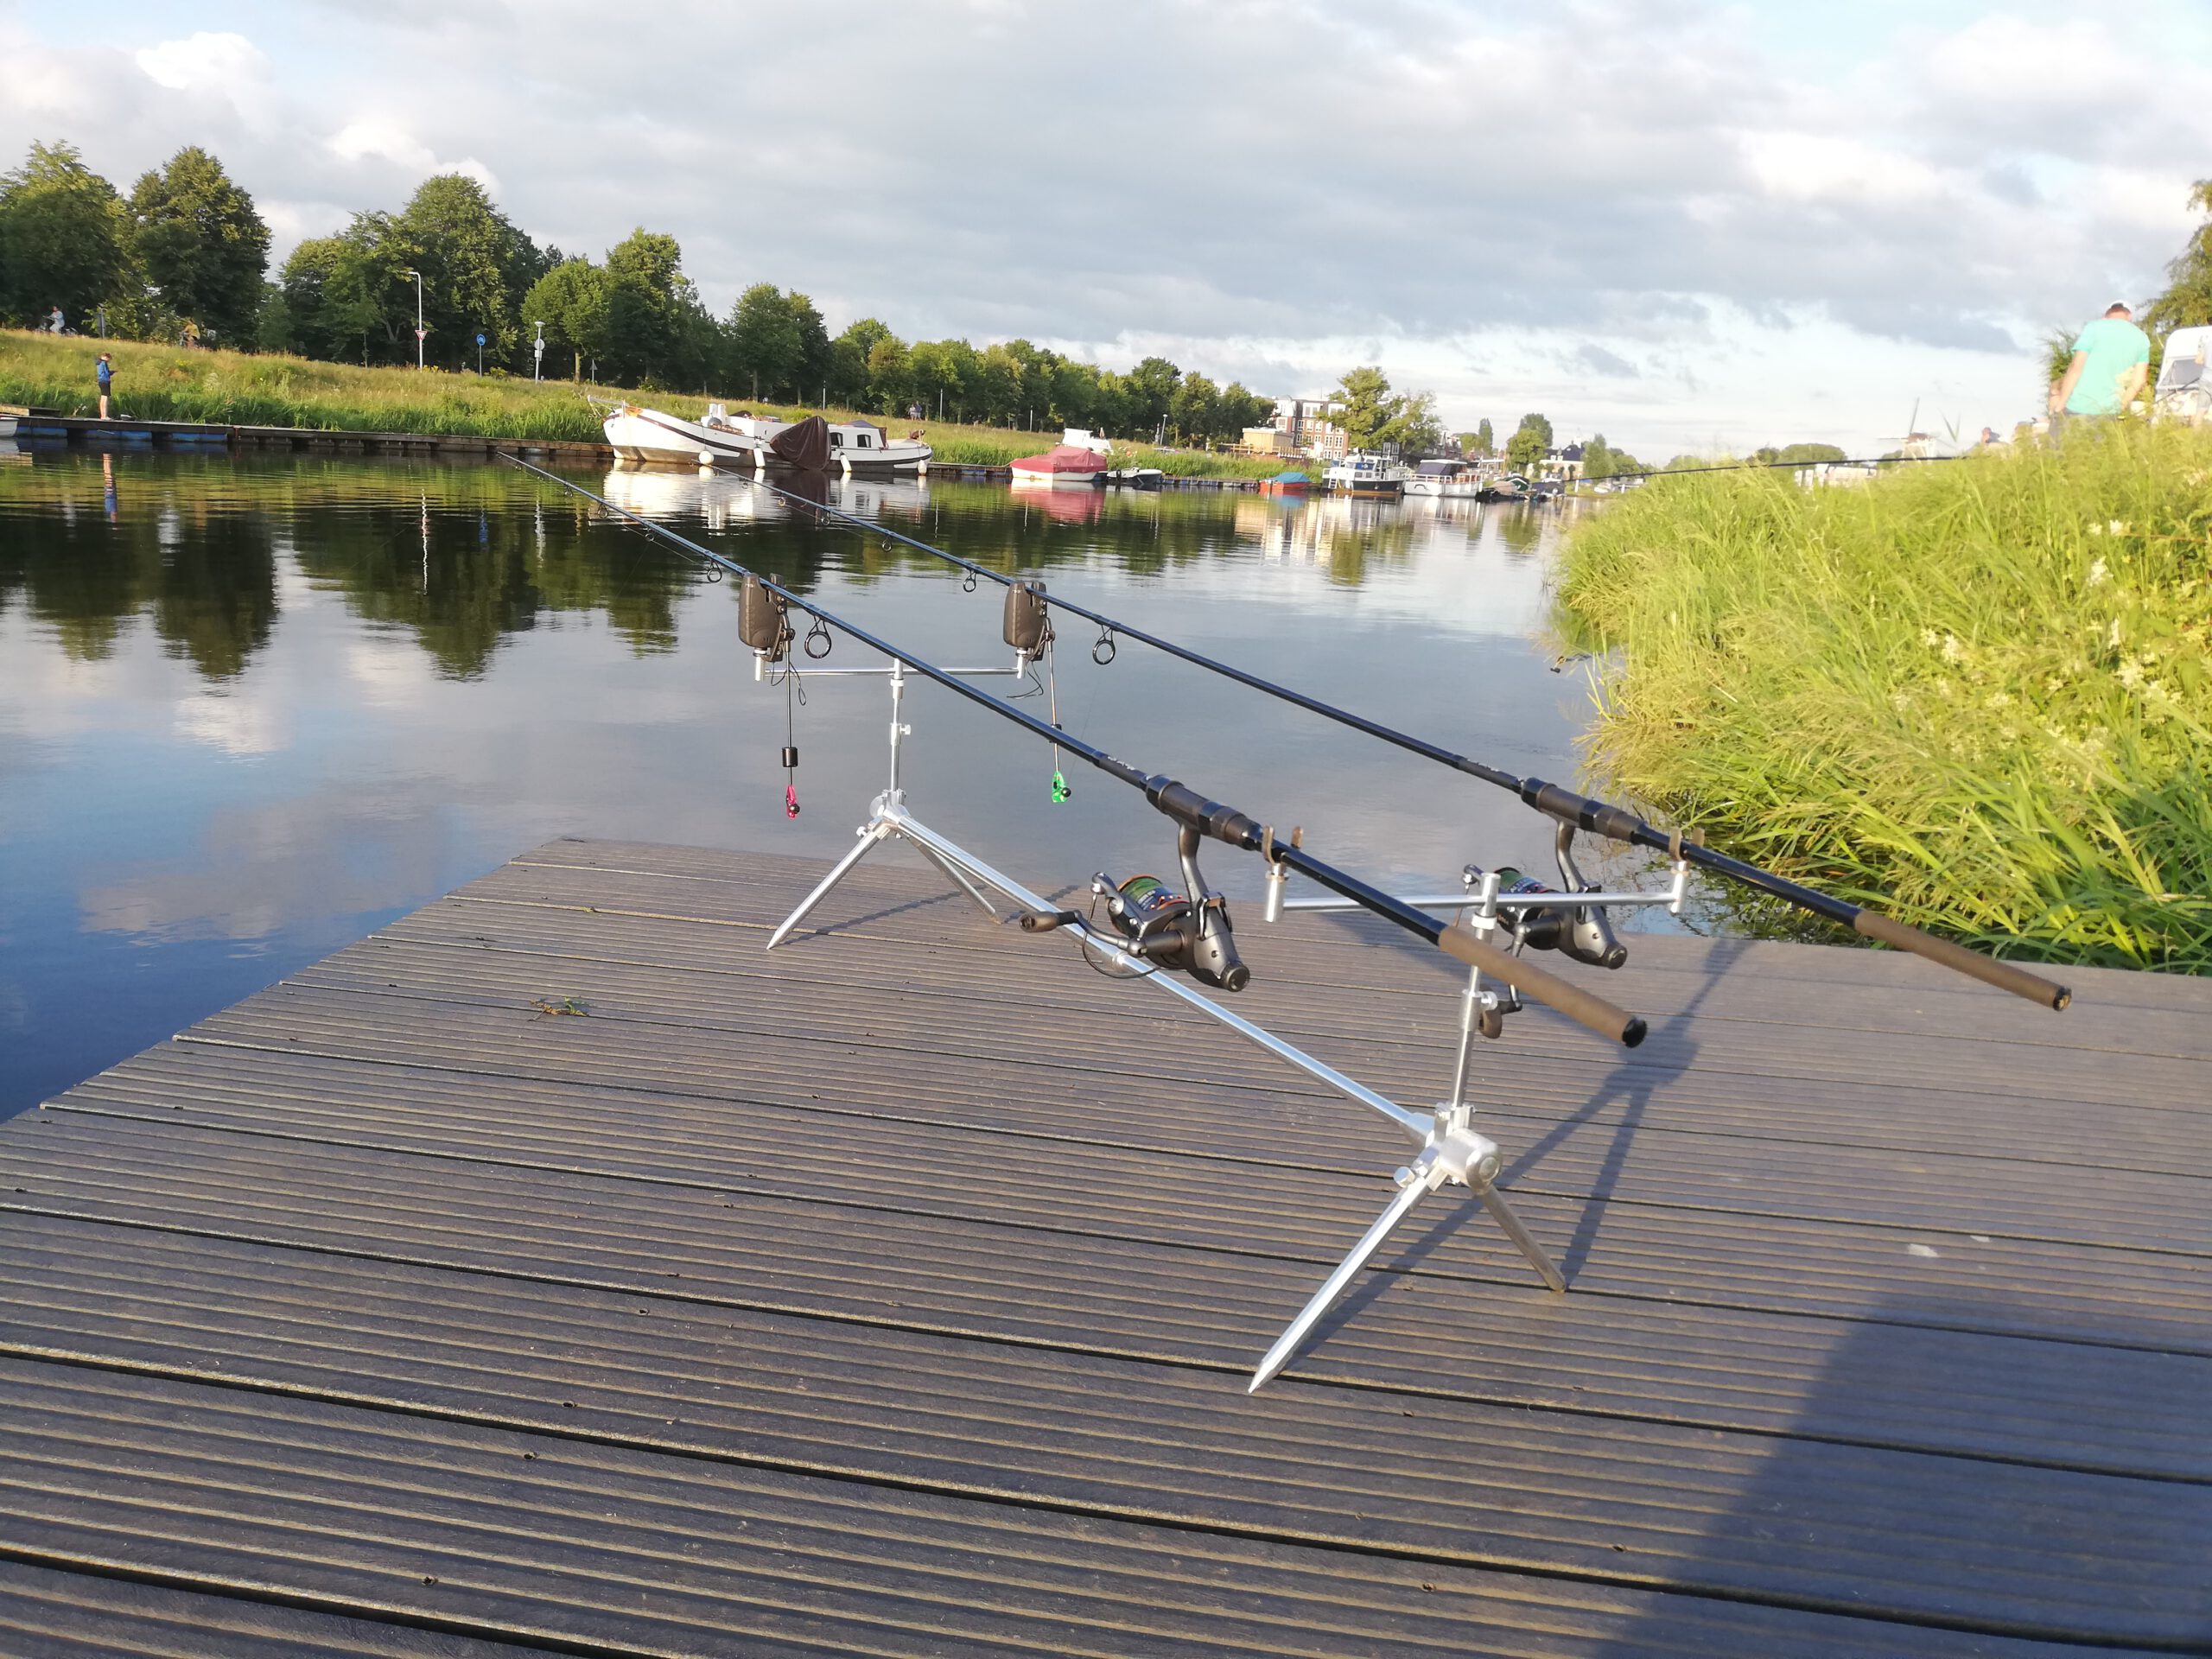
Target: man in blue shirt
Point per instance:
(2112, 356)
(105, 371)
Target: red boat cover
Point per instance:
(1063, 458)
(805, 446)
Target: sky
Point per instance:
(1690, 226)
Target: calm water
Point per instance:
(249, 710)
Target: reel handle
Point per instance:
(2003, 975)
(1584, 1008)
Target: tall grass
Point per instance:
(164, 383)
(1978, 694)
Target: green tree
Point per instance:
(657, 333)
(765, 350)
(1148, 389)
(1598, 458)
(475, 265)
(811, 377)
(1486, 442)
(1530, 443)
(348, 296)
(1194, 408)
(1242, 407)
(2186, 301)
(198, 240)
(1414, 429)
(574, 301)
(64, 238)
(889, 382)
(849, 360)
(942, 372)
(1363, 407)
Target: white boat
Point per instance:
(1362, 474)
(1449, 479)
(638, 434)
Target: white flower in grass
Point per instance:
(2098, 574)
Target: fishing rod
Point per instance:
(1565, 805)
(1202, 940)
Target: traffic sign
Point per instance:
(479, 339)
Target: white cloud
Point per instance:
(237, 724)
(203, 62)
(1791, 227)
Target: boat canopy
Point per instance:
(1442, 468)
(1061, 458)
(1290, 478)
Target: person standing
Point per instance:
(2112, 358)
(105, 371)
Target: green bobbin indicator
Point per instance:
(1060, 789)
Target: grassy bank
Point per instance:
(165, 383)
(1978, 694)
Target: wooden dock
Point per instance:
(129, 432)
(555, 1271)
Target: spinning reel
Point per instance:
(1189, 932)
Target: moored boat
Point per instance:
(636, 432)
(1454, 480)
(1289, 483)
(1362, 474)
(1064, 463)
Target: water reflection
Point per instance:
(250, 707)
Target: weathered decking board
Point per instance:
(895, 1294)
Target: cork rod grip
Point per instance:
(2003, 975)
(1617, 1025)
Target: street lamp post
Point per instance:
(419, 331)
(538, 352)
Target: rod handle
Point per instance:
(2003, 975)
(1584, 1008)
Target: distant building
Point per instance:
(1269, 441)
(1305, 423)
(1565, 464)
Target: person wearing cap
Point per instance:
(2112, 358)
(104, 369)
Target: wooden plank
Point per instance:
(1814, 1053)
(61, 1615)
(1300, 965)
(807, 1144)
(1515, 1081)
(1028, 974)
(967, 1257)
(533, 1537)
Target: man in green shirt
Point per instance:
(2112, 356)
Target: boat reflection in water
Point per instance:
(1065, 502)
(725, 500)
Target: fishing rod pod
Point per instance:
(1599, 817)
(1177, 800)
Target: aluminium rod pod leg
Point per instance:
(1453, 1154)
(875, 830)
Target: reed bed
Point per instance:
(1978, 694)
